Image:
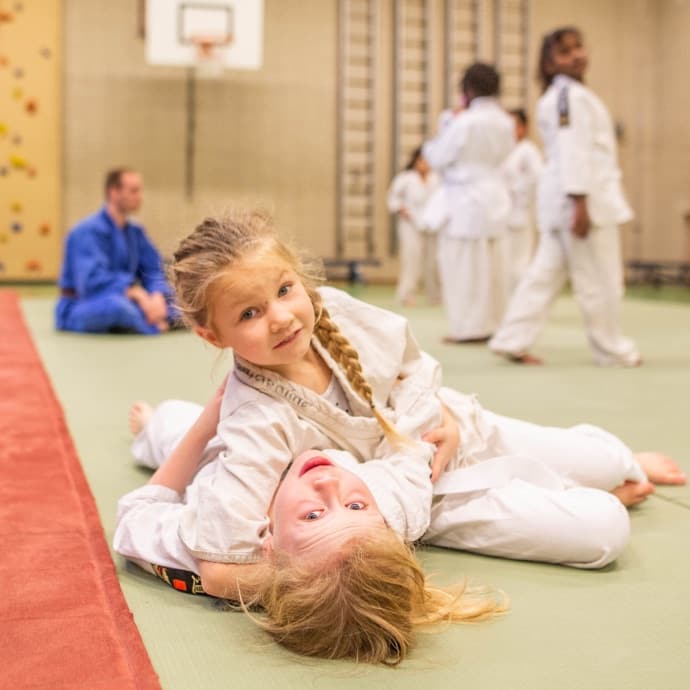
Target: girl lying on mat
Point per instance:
(317, 369)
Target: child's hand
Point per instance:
(446, 438)
(581, 221)
(210, 415)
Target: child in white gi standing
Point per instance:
(468, 153)
(521, 171)
(408, 195)
(579, 207)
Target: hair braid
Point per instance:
(339, 347)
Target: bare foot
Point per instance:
(448, 340)
(660, 469)
(529, 360)
(139, 414)
(632, 493)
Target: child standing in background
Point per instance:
(521, 171)
(408, 194)
(580, 204)
(468, 154)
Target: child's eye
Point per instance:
(284, 289)
(357, 505)
(247, 314)
(313, 515)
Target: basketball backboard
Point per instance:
(184, 32)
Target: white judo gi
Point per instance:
(514, 489)
(581, 159)
(416, 242)
(468, 152)
(521, 171)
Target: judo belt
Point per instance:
(181, 580)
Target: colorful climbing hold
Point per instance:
(16, 206)
(16, 161)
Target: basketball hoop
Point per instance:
(209, 52)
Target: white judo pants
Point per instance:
(418, 261)
(594, 267)
(519, 248)
(539, 494)
(473, 284)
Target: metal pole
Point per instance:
(190, 134)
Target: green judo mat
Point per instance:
(627, 626)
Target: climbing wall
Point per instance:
(30, 238)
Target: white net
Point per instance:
(209, 55)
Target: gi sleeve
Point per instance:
(533, 163)
(146, 528)
(396, 193)
(575, 142)
(227, 522)
(150, 269)
(444, 149)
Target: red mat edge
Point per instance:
(142, 671)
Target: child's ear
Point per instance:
(208, 335)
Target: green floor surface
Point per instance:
(627, 626)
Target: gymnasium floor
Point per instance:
(627, 626)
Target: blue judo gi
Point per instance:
(101, 260)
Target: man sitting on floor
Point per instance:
(112, 278)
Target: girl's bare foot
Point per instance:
(139, 414)
(528, 359)
(632, 493)
(660, 469)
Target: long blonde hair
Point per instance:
(366, 604)
(207, 255)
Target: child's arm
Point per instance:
(179, 469)
(443, 150)
(575, 143)
(396, 196)
(235, 581)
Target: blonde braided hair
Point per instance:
(340, 348)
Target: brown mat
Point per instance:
(65, 623)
